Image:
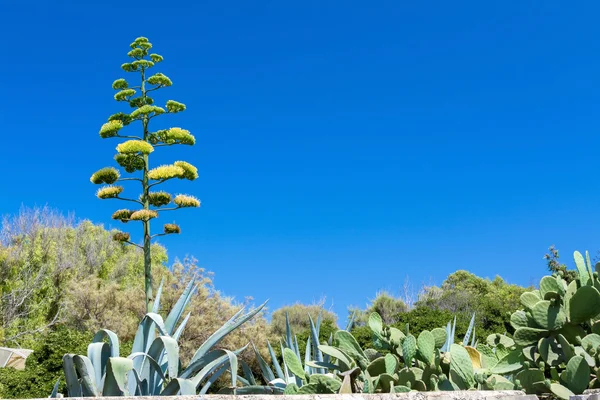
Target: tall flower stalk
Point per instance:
(133, 155)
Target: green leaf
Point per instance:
(343, 358)
(293, 363)
(584, 304)
(85, 370)
(115, 383)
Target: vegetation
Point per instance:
(133, 155)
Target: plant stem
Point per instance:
(145, 199)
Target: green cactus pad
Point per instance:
(401, 389)
(584, 304)
(528, 378)
(440, 336)
(509, 364)
(565, 346)
(530, 353)
(293, 363)
(346, 342)
(549, 284)
(548, 316)
(560, 391)
(325, 384)
(375, 323)
(526, 336)
(530, 299)
(591, 361)
(461, 367)
(426, 347)
(498, 382)
(577, 375)
(377, 367)
(518, 319)
(592, 340)
(391, 364)
(582, 270)
(596, 327)
(396, 337)
(488, 357)
(495, 339)
(550, 351)
(372, 354)
(386, 382)
(409, 349)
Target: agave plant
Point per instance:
(153, 367)
(293, 372)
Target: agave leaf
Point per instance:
(156, 305)
(469, 331)
(351, 321)
(264, 367)
(216, 375)
(179, 387)
(54, 393)
(288, 333)
(113, 340)
(115, 383)
(314, 335)
(168, 345)
(251, 381)
(296, 348)
(151, 363)
(275, 362)
(307, 353)
(252, 390)
(197, 365)
(180, 306)
(181, 327)
(73, 386)
(211, 367)
(135, 386)
(86, 372)
(226, 329)
(145, 333)
(98, 354)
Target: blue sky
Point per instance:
(342, 146)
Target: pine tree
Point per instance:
(133, 154)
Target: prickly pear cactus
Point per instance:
(558, 333)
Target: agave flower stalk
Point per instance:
(133, 155)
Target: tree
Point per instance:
(298, 317)
(556, 267)
(384, 304)
(133, 154)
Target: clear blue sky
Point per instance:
(341, 145)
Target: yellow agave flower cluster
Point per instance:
(184, 200)
(135, 147)
(171, 228)
(109, 192)
(110, 129)
(108, 175)
(143, 215)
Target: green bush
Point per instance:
(44, 365)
